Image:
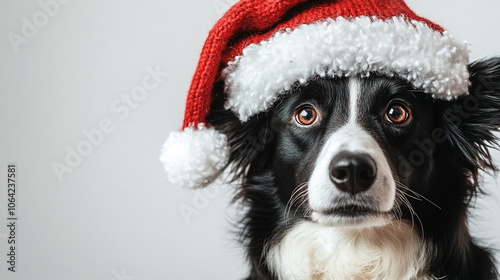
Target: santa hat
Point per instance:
(262, 48)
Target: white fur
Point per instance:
(354, 92)
(195, 157)
(433, 61)
(353, 138)
(310, 251)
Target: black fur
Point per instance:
(439, 156)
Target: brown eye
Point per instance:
(306, 116)
(398, 114)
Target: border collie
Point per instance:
(364, 178)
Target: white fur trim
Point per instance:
(433, 61)
(195, 157)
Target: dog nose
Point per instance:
(353, 173)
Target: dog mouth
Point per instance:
(350, 211)
(351, 215)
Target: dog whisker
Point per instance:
(298, 194)
(298, 207)
(404, 199)
(418, 195)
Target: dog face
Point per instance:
(360, 151)
(346, 141)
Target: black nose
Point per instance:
(352, 172)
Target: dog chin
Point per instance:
(363, 220)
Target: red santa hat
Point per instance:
(261, 48)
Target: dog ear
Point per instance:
(471, 121)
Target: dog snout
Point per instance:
(353, 172)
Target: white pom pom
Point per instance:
(195, 157)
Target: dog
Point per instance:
(364, 178)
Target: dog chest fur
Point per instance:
(309, 251)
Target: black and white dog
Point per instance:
(364, 178)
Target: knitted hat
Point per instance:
(262, 48)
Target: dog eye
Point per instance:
(397, 114)
(306, 116)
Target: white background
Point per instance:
(115, 216)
